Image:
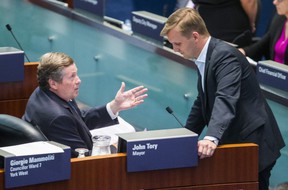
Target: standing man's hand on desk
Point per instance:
(206, 148)
(129, 99)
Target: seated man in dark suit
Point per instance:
(53, 108)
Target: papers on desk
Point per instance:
(122, 127)
(33, 148)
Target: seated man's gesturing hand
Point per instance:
(128, 99)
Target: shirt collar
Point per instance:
(202, 57)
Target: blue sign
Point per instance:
(148, 24)
(160, 149)
(273, 74)
(36, 169)
(11, 64)
(96, 7)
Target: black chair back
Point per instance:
(14, 130)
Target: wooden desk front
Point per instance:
(231, 167)
(14, 95)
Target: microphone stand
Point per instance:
(10, 29)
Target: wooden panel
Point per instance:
(14, 95)
(21, 89)
(13, 107)
(231, 166)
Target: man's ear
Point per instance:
(52, 84)
(195, 35)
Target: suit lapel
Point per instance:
(206, 70)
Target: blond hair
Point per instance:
(186, 20)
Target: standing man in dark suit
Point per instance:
(229, 101)
(53, 108)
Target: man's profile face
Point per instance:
(68, 88)
(185, 46)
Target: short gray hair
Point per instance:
(51, 66)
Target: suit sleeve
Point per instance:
(226, 74)
(259, 49)
(195, 121)
(97, 117)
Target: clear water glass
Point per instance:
(101, 145)
(81, 152)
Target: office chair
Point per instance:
(14, 130)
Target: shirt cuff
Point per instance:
(213, 139)
(110, 112)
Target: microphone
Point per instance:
(169, 110)
(10, 30)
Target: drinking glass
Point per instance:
(101, 145)
(81, 152)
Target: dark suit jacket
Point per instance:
(233, 106)
(265, 47)
(63, 124)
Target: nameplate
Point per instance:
(96, 7)
(273, 74)
(148, 24)
(159, 149)
(23, 170)
(11, 64)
